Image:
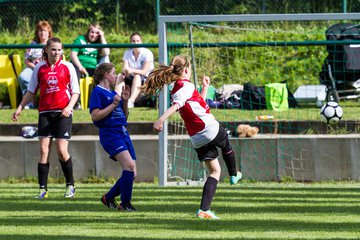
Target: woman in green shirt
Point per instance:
(86, 59)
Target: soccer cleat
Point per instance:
(206, 214)
(70, 192)
(42, 194)
(110, 203)
(235, 179)
(126, 207)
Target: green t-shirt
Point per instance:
(87, 56)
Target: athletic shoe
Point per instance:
(126, 207)
(206, 214)
(235, 179)
(70, 191)
(110, 203)
(42, 194)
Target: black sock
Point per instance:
(208, 193)
(67, 168)
(43, 173)
(230, 162)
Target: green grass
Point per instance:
(304, 113)
(247, 211)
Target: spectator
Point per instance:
(137, 64)
(59, 91)
(43, 31)
(109, 113)
(86, 59)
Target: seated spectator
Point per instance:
(43, 31)
(137, 64)
(86, 59)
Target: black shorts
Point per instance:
(52, 124)
(129, 80)
(209, 151)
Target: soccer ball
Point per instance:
(331, 112)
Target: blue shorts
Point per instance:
(115, 141)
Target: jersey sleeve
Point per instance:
(33, 84)
(74, 81)
(182, 93)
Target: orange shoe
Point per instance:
(206, 214)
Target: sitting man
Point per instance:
(137, 64)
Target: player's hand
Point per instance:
(158, 125)
(66, 112)
(116, 99)
(125, 93)
(206, 81)
(15, 116)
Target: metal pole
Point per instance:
(163, 103)
(117, 9)
(157, 12)
(192, 56)
(344, 6)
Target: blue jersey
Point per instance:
(112, 129)
(101, 98)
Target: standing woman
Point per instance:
(59, 91)
(33, 56)
(109, 113)
(205, 132)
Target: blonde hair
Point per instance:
(165, 75)
(101, 70)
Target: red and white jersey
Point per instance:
(56, 82)
(199, 122)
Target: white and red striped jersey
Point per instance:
(56, 82)
(199, 122)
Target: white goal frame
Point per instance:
(163, 53)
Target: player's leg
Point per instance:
(209, 189)
(126, 180)
(62, 128)
(222, 141)
(66, 166)
(43, 166)
(209, 155)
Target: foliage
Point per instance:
(3, 91)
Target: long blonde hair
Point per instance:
(164, 74)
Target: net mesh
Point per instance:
(234, 54)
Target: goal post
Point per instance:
(165, 148)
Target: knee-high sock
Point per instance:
(126, 186)
(208, 193)
(43, 173)
(229, 158)
(115, 190)
(67, 168)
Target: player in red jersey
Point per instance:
(59, 90)
(205, 132)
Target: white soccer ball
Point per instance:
(331, 113)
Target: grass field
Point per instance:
(305, 113)
(247, 211)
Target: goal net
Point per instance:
(242, 54)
